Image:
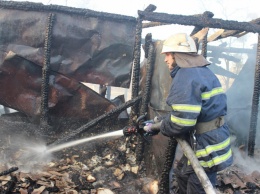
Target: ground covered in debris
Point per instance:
(100, 166)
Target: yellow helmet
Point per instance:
(181, 43)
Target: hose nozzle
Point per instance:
(129, 130)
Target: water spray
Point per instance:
(36, 154)
(59, 147)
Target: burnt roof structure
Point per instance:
(205, 20)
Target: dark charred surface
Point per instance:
(255, 105)
(146, 93)
(45, 120)
(136, 69)
(199, 21)
(68, 98)
(29, 6)
(6, 172)
(169, 158)
(82, 44)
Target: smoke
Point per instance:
(26, 154)
(248, 164)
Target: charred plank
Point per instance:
(199, 21)
(29, 6)
(45, 75)
(6, 172)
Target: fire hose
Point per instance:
(187, 150)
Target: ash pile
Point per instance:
(105, 165)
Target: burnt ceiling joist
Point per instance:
(39, 7)
(199, 21)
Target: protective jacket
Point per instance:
(196, 96)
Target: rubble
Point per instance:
(95, 167)
(103, 166)
(235, 180)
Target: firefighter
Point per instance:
(198, 106)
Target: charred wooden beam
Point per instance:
(222, 33)
(6, 172)
(136, 70)
(29, 6)
(149, 75)
(255, 103)
(196, 29)
(147, 91)
(237, 33)
(199, 21)
(150, 8)
(10, 185)
(153, 24)
(45, 75)
(169, 158)
(199, 36)
(204, 48)
(206, 14)
(147, 42)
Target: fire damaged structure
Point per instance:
(74, 50)
(45, 61)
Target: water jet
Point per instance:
(55, 148)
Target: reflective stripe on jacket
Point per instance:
(196, 96)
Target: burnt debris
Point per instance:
(39, 7)
(6, 172)
(119, 164)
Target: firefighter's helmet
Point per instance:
(180, 42)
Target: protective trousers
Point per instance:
(187, 179)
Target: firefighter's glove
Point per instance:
(151, 128)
